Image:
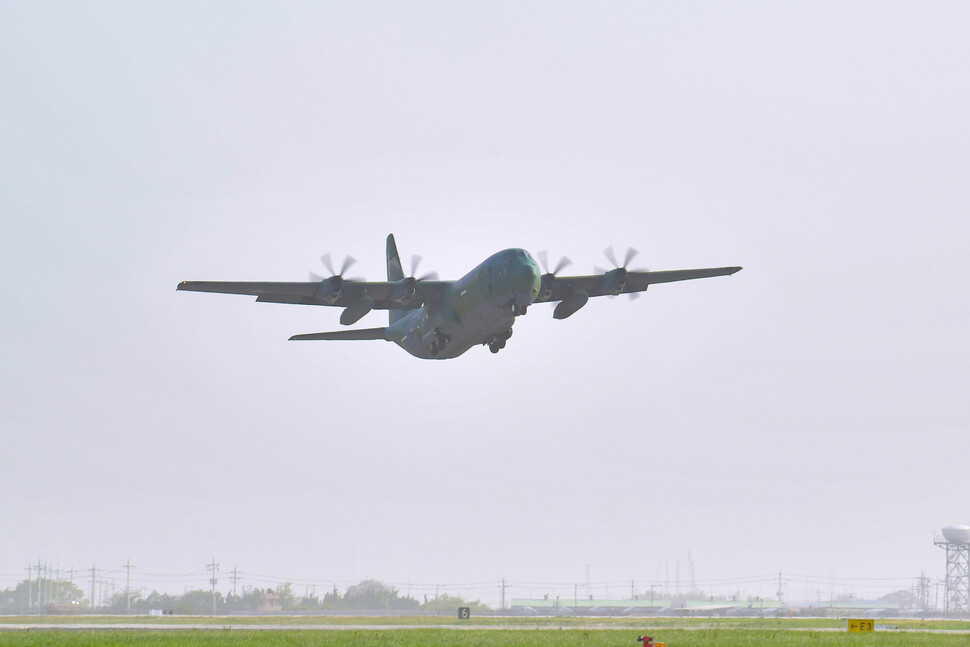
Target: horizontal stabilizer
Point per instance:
(363, 333)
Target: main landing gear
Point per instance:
(498, 342)
(438, 344)
(518, 310)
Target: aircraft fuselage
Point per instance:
(479, 308)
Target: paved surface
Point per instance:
(131, 626)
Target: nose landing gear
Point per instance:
(497, 342)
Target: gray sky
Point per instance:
(809, 414)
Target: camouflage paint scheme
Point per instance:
(443, 319)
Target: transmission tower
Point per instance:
(956, 597)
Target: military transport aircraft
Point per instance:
(434, 319)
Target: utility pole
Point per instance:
(30, 582)
(128, 568)
(779, 586)
(503, 593)
(213, 568)
(40, 600)
(924, 592)
(72, 583)
(235, 576)
(93, 580)
(633, 592)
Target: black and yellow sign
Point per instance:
(860, 625)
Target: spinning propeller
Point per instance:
(619, 271)
(415, 262)
(564, 262)
(549, 276)
(405, 288)
(325, 259)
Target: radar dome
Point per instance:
(957, 534)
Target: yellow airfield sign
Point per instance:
(860, 625)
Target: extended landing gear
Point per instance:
(498, 342)
(519, 310)
(438, 344)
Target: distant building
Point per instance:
(269, 602)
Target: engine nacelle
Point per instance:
(404, 290)
(329, 289)
(614, 281)
(570, 304)
(545, 288)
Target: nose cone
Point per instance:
(528, 279)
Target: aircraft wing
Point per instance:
(562, 287)
(340, 293)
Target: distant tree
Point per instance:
(199, 602)
(287, 597)
(902, 598)
(119, 602)
(15, 600)
(156, 600)
(309, 602)
(333, 600)
(374, 595)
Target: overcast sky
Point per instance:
(807, 415)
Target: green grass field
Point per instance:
(723, 637)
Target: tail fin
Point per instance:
(395, 272)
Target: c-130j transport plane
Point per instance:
(434, 319)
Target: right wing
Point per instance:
(328, 292)
(562, 287)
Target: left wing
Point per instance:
(334, 291)
(619, 281)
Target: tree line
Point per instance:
(368, 595)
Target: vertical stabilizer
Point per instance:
(394, 271)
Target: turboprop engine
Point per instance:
(329, 289)
(614, 281)
(403, 290)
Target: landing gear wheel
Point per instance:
(438, 344)
(519, 310)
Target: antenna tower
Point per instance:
(956, 597)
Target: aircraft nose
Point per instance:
(528, 279)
